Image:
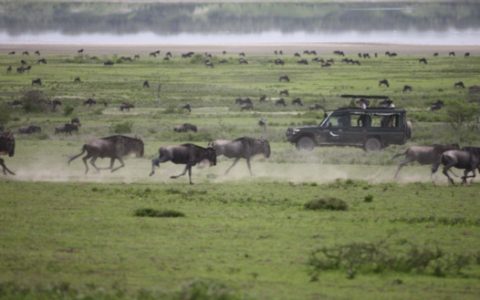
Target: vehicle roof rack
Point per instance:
(364, 96)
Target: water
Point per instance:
(448, 37)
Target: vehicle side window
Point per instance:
(341, 121)
(386, 121)
(362, 120)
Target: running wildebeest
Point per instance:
(114, 147)
(29, 129)
(37, 81)
(384, 82)
(468, 158)
(126, 106)
(185, 127)
(146, 84)
(185, 154)
(424, 155)
(66, 128)
(244, 147)
(7, 147)
(459, 84)
(284, 78)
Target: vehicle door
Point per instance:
(336, 129)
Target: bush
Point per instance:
(150, 212)
(326, 203)
(124, 127)
(68, 110)
(368, 198)
(34, 101)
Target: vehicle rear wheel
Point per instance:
(305, 143)
(372, 144)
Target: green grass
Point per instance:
(66, 235)
(254, 238)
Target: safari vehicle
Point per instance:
(370, 128)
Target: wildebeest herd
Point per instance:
(117, 147)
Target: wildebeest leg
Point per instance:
(465, 175)
(156, 162)
(190, 175)
(401, 165)
(85, 162)
(249, 168)
(183, 173)
(445, 172)
(92, 162)
(234, 163)
(121, 162)
(4, 167)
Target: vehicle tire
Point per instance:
(305, 143)
(372, 144)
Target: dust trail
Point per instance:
(136, 170)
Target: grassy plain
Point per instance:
(65, 234)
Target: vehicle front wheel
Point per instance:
(305, 143)
(372, 144)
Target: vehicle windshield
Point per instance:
(325, 120)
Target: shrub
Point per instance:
(124, 127)
(206, 290)
(331, 203)
(34, 101)
(68, 110)
(368, 198)
(150, 212)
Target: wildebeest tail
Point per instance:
(84, 148)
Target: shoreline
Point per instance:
(253, 48)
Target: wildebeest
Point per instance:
(77, 80)
(7, 147)
(423, 60)
(11, 53)
(187, 107)
(37, 52)
(297, 101)
(114, 147)
(384, 82)
(263, 98)
(243, 147)
(75, 121)
(37, 81)
(66, 128)
(451, 53)
(42, 61)
(424, 155)
(302, 62)
(242, 101)
(80, 50)
(185, 154)
(89, 102)
(126, 106)
(437, 105)
(467, 54)
(185, 127)
(242, 61)
(284, 78)
(25, 53)
(468, 158)
(246, 106)
(459, 84)
(29, 129)
(316, 106)
(9, 69)
(338, 52)
(146, 84)
(108, 63)
(284, 92)
(280, 102)
(407, 88)
(279, 61)
(435, 54)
